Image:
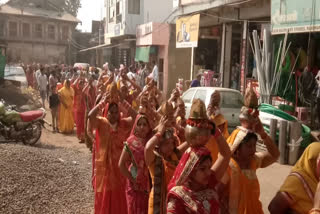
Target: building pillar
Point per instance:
(227, 56)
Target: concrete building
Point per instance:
(156, 42)
(123, 17)
(223, 44)
(36, 33)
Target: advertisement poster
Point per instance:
(295, 16)
(187, 31)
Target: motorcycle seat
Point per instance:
(31, 115)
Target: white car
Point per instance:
(17, 74)
(231, 102)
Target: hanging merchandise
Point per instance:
(208, 78)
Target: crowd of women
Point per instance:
(147, 157)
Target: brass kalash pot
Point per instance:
(199, 128)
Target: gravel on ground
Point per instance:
(52, 177)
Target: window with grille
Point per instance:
(38, 31)
(26, 30)
(13, 29)
(134, 6)
(2, 28)
(65, 32)
(51, 32)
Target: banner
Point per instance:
(295, 16)
(187, 31)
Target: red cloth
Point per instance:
(91, 94)
(79, 108)
(109, 183)
(138, 195)
(112, 202)
(30, 77)
(181, 199)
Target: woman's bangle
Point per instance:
(314, 211)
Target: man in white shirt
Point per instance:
(43, 82)
(155, 72)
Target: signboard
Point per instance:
(187, 31)
(295, 16)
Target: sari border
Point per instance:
(305, 184)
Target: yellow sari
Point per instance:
(244, 187)
(212, 144)
(66, 120)
(301, 184)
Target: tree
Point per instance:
(72, 6)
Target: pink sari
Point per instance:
(108, 182)
(181, 199)
(137, 194)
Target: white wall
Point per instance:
(131, 21)
(157, 10)
(150, 11)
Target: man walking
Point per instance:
(43, 82)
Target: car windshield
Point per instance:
(187, 96)
(231, 99)
(13, 71)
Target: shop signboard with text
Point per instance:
(187, 31)
(295, 16)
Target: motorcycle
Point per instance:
(25, 127)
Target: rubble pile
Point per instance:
(44, 179)
(24, 99)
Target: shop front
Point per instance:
(223, 53)
(301, 22)
(155, 43)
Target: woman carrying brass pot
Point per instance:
(162, 156)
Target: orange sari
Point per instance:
(109, 183)
(212, 144)
(244, 187)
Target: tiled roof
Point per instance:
(38, 12)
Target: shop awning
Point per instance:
(143, 53)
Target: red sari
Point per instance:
(30, 77)
(181, 199)
(137, 195)
(109, 184)
(79, 111)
